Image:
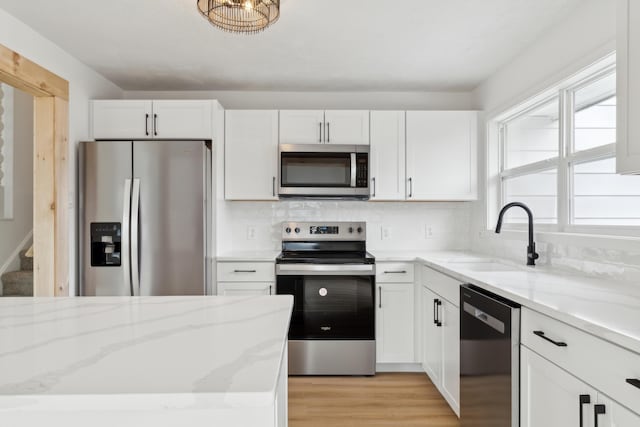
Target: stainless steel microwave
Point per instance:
(324, 171)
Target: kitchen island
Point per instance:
(160, 361)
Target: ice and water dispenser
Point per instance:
(106, 240)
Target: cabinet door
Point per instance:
(394, 323)
(301, 126)
(441, 155)
(251, 155)
(628, 70)
(121, 119)
(242, 289)
(182, 119)
(450, 318)
(549, 396)
(432, 337)
(387, 158)
(346, 127)
(616, 415)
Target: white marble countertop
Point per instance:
(157, 353)
(248, 256)
(608, 309)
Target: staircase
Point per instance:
(19, 283)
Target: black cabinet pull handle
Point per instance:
(328, 132)
(435, 311)
(155, 124)
(270, 289)
(634, 382)
(410, 187)
(320, 137)
(544, 337)
(374, 187)
(244, 271)
(584, 400)
(273, 186)
(379, 296)
(439, 319)
(146, 125)
(396, 272)
(598, 410)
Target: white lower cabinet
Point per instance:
(552, 397)
(441, 344)
(395, 323)
(233, 289)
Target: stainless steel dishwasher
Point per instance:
(489, 359)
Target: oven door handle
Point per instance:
(325, 269)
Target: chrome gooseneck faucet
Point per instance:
(532, 256)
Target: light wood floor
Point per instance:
(394, 400)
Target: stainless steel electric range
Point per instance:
(326, 267)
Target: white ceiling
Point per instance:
(317, 45)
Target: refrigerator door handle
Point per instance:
(126, 235)
(135, 253)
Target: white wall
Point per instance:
(585, 36)
(258, 100)
(16, 230)
(84, 84)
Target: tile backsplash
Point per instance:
(250, 226)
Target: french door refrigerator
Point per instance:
(144, 217)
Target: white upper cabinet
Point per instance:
(324, 127)
(346, 127)
(441, 155)
(119, 119)
(628, 87)
(251, 154)
(131, 119)
(301, 126)
(182, 119)
(387, 155)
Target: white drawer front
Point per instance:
(394, 272)
(602, 365)
(246, 272)
(441, 284)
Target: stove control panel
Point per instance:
(310, 231)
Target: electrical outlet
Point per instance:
(385, 233)
(251, 233)
(428, 232)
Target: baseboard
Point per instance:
(399, 367)
(15, 255)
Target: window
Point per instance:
(556, 153)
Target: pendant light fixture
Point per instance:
(240, 16)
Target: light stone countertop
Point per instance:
(114, 354)
(609, 309)
(249, 256)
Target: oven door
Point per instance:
(330, 307)
(324, 170)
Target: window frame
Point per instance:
(564, 163)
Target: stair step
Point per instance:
(26, 263)
(17, 284)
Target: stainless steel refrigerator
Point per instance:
(144, 217)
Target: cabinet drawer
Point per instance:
(443, 285)
(246, 272)
(239, 289)
(602, 365)
(394, 272)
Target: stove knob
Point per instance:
(288, 230)
(297, 230)
(359, 229)
(350, 229)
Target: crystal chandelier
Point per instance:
(240, 16)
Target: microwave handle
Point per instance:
(354, 170)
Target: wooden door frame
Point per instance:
(50, 169)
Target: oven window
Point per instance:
(315, 170)
(330, 307)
